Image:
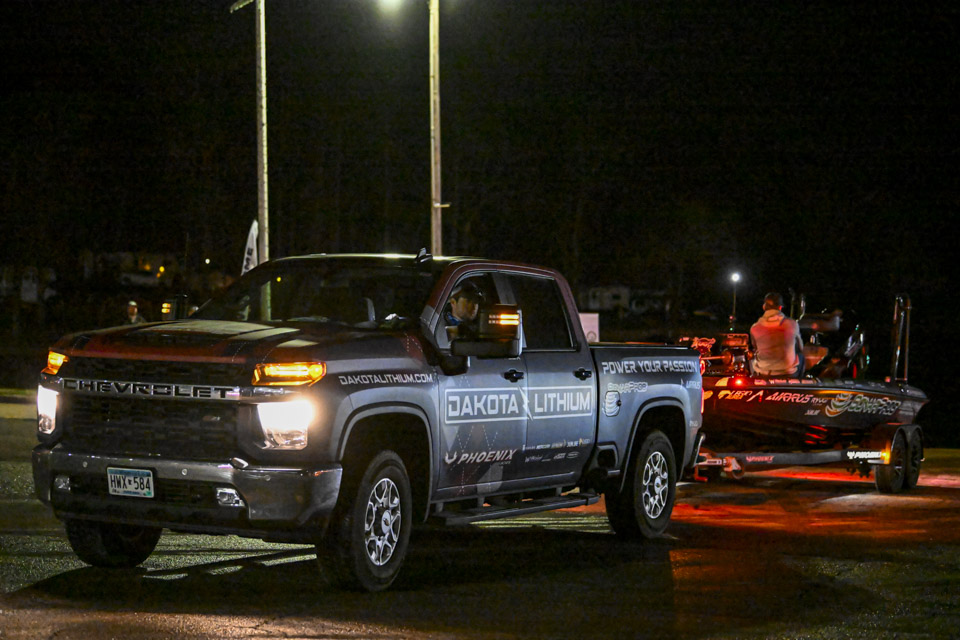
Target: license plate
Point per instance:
(137, 483)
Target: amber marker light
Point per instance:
(505, 319)
(288, 373)
(54, 362)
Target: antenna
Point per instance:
(423, 256)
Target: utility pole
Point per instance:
(263, 239)
(436, 202)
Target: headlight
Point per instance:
(289, 373)
(285, 424)
(46, 410)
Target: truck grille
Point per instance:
(164, 371)
(192, 430)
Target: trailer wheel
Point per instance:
(112, 546)
(370, 530)
(890, 478)
(914, 460)
(642, 508)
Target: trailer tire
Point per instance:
(890, 478)
(642, 508)
(914, 460)
(369, 532)
(112, 546)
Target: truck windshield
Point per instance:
(365, 294)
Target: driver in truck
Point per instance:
(462, 310)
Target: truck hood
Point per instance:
(212, 341)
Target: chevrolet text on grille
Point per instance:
(153, 389)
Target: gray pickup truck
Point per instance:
(328, 400)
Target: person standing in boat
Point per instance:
(776, 341)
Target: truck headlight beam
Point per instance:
(47, 400)
(285, 424)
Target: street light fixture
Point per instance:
(734, 278)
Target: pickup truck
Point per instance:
(324, 400)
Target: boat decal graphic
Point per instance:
(861, 403)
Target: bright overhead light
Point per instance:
(735, 276)
(390, 5)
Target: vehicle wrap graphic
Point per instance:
(510, 403)
(386, 378)
(634, 386)
(471, 457)
(611, 403)
(862, 403)
(649, 365)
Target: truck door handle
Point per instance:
(582, 373)
(513, 375)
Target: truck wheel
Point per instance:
(889, 478)
(914, 460)
(369, 532)
(111, 545)
(643, 507)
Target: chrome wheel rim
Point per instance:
(381, 526)
(655, 485)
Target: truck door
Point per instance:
(561, 385)
(483, 415)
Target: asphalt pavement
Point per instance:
(795, 553)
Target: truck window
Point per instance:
(345, 292)
(545, 325)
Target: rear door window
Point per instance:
(545, 323)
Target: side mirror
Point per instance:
(497, 336)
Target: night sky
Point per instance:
(658, 144)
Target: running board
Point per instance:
(491, 512)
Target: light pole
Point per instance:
(436, 199)
(734, 278)
(436, 202)
(263, 238)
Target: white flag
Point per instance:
(250, 255)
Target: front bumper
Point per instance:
(278, 503)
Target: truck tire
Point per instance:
(890, 478)
(112, 546)
(369, 532)
(914, 460)
(642, 508)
